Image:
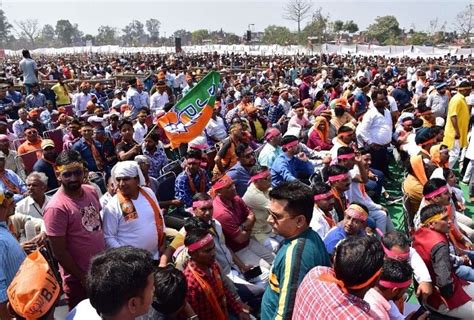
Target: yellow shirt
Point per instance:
(259, 132)
(457, 107)
(62, 95)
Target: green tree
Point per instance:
(5, 28)
(29, 29)
(133, 33)
(350, 26)
(199, 35)
(418, 38)
(231, 38)
(186, 36)
(65, 32)
(88, 37)
(277, 35)
(106, 36)
(338, 26)
(386, 30)
(48, 36)
(153, 28)
(297, 11)
(77, 35)
(317, 27)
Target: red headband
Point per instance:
(200, 243)
(223, 182)
(260, 175)
(193, 160)
(201, 203)
(428, 142)
(323, 196)
(347, 133)
(394, 285)
(390, 253)
(338, 177)
(290, 144)
(346, 156)
(437, 192)
(272, 133)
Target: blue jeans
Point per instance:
(465, 272)
(374, 188)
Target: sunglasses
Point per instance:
(69, 174)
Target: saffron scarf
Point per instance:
(202, 182)
(213, 294)
(10, 185)
(129, 213)
(419, 168)
(96, 155)
(323, 135)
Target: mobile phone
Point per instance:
(253, 273)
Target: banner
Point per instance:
(188, 118)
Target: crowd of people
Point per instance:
(277, 210)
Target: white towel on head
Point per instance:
(128, 169)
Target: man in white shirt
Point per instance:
(215, 128)
(31, 208)
(284, 96)
(438, 100)
(133, 217)
(261, 102)
(324, 217)
(144, 97)
(160, 98)
(82, 98)
(119, 99)
(375, 131)
(140, 128)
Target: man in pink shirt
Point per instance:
(73, 225)
(394, 281)
(237, 222)
(299, 120)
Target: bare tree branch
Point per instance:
(29, 29)
(464, 22)
(297, 10)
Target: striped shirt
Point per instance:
(11, 257)
(294, 260)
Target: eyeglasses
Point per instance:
(69, 174)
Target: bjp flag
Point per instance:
(188, 118)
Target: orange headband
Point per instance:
(330, 278)
(345, 134)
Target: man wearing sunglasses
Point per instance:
(73, 225)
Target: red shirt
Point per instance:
(231, 217)
(197, 298)
(318, 299)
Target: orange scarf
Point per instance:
(338, 199)
(202, 182)
(419, 168)
(327, 277)
(323, 135)
(435, 153)
(10, 185)
(210, 293)
(329, 220)
(129, 213)
(96, 155)
(455, 234)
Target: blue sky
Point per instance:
(233, 16)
